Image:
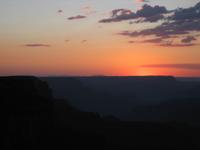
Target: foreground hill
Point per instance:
(33, 119)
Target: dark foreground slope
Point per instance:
(32, 119)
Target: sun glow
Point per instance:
(144, 72)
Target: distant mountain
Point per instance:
(188, 79)
(118, 96)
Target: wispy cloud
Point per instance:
(188, 39)
(76, 17)
(170, 44)
(161, 42)
(83, 41)
(67, 41)
(177, 66)
(36, 45)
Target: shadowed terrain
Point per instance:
(34, 119)
(151, 98)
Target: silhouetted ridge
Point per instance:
(34, 120)
(129, 80)
(27, 84)
(27, 105)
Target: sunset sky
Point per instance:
(100, 37)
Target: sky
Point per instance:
(100, 37)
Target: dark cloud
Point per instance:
(60, 11)
(153, 18)
(182, 22)
(162, 42)
(188, 39)
(154, 40)
(118, 15)
(37, 45)
(170, 44)
(147, 12)
(177, 66)
(164, 30)
(188, 14)
(76, 17)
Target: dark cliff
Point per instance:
(27, 115)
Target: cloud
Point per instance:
(76, 17)
(67, 41)
(118, 15)
(170, 44)
(166, 30)
(191, 13)
(147, 13)
(131, 41)
(177, 66)
(154, 40)
(37, 45)
(183, 22)
(164, 43)
(83, 41)
(188, 39)
(60, 11)
(163, 36)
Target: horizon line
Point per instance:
(63, 76)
